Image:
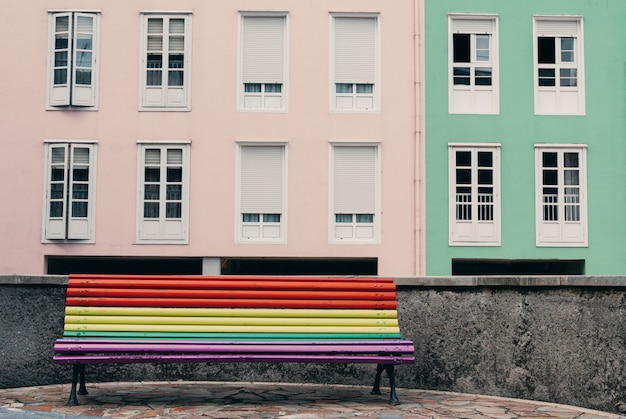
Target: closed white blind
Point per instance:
(355, 179)
(263, 49)
(558, 27)
(355, 49)
(466, 25)
(262, 179)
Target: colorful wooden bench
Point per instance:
(117, 319)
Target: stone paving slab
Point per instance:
(220, 400)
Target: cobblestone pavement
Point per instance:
(191, 400)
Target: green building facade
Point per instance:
(525, 137)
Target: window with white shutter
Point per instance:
(355, 63)
(163, 201)
(165, 61)
(473, 64)
(561, 195)
(261, 193)
(69, 192)
(263, 62)
(73, 61)
(355, 185)
(474, 200)
(559, 65)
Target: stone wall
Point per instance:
(557, 339)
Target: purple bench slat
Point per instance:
(247, 347)
(169, 358)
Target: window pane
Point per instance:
(174, 192)
(84, 42)
(547, 77)
(463, 176)
(83, 59)
(83, 77)
(177, 25)
(56, 190)
(568, 77)
(152, 192)
(60, 76)
(461, 76)
(567, 50)
(463, 158)
(81, 174)
(546, 50)
(485, 177)
(365, 88)
(252, 87)
(570, 177)
(343, 88)
(56, 209)
(57, 174)
(151, 210)
(60, 59)
(485, 159)
(271, 218)
(152, 174)
(174, 156)
(79, 209)
(175, 78)
(62, 24)
(250, 218)
(173, 210)
(461, 47)
(80, 191)
(549, 159)
(482, 47)
(174, 174)
(570, 159)
(365, 218)
(155, 25)
(550, 177)
(483, 76)
(273, 88)
(343, 218)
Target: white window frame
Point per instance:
(474, 98)
(254, 69)
(474, 231)
(261, 231)
(65, 228)
(558, 99)
(73, 95)
(560, 232)
(163, 229)
(348, 74)
(354, 231)
(165, 97)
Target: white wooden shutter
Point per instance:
(470, 25)
(56, 195)
(354, 179)
(80, 187)
(557, 27)
(263, 49)
(355, 49)
(262, 179)
(61, 59)
(83, 59)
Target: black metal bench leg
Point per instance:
(78, 372)
(393, 397)
(82, 390)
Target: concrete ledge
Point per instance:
(511, 281)
(33, 279)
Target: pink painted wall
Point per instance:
(213, 125)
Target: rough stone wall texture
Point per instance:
(563, 345)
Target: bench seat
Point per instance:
(123, 319)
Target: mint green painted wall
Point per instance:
(602, 129)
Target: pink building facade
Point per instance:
(212, 137)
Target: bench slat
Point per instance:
(393, 347)
(230, 312)
(231, 328)
(232, 294)
(225, 336)
(226, 303)
(164, 358)
(221, 283)
(236, 321)
(75, 278)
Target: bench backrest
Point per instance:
(230, 307)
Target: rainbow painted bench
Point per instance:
(120, 319)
